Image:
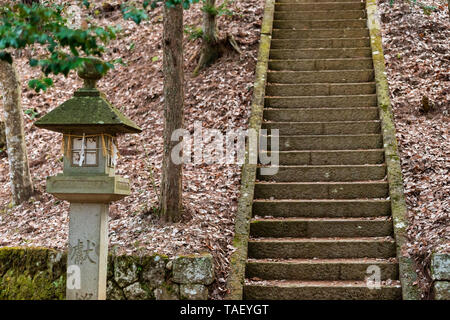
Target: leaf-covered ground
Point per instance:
(219, 97)
(417, 52)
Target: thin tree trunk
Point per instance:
(2, 133)
(210, 48)
(171, 180)
(19, 172)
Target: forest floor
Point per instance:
(418, 64)
(417, 51)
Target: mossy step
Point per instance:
(320, 24)
(321, 248)
(319, 269)
(321, 53)
(322, 208)
(309, 173)
(332, 6)
(331, 101)
(300, 290)
(321, 190)
(320, 89)
(320, 114)
(320, 43)
(321, 64)
(327, 128)
(315, 34)
(320, 15)
(325, 76)
(319, 227)
(329, 142)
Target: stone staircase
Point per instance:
(323, 221)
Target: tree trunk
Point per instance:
(19, 172)
(171, 180)
(210, 48)
(2, 134)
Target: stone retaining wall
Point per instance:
(40, 273)
(440, 273)
(235, 282)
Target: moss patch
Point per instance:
(32, 274)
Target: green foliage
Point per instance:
(32, 113)
(171, 3)
(67, 48)
(193, 32)
(86, 4)
(427, 10)
(23, 25)
(133, 13)
(220, 10)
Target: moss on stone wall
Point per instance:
(40, 274)
(31, 274)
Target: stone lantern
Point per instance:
(90, 125)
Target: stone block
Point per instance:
(136, 291)
(154, 271)
(193, 269)
(441, 290)
(167, 292)
(125, 271)
(193, 292)
(113, 292)
(440, 266)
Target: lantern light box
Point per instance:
(90, 126)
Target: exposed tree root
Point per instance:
(209, 53)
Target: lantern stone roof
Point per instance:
(88, 111)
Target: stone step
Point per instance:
(328, 142)
(320, 24)
(320, 89)
(320, 269)
(322, 53)
(321, 64)
(326, 128)
(325, 76)
(320, 227)
(321, 248)
(334, 157)
(320, 15)
(315, 34)
(321, 208)
(308, 173)
(320, 43)
(320, 290)
(321, 114)
(355, 101)
(321, 190)
(333, 6)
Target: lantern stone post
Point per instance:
(90, 125)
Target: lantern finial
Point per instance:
(92, 70)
